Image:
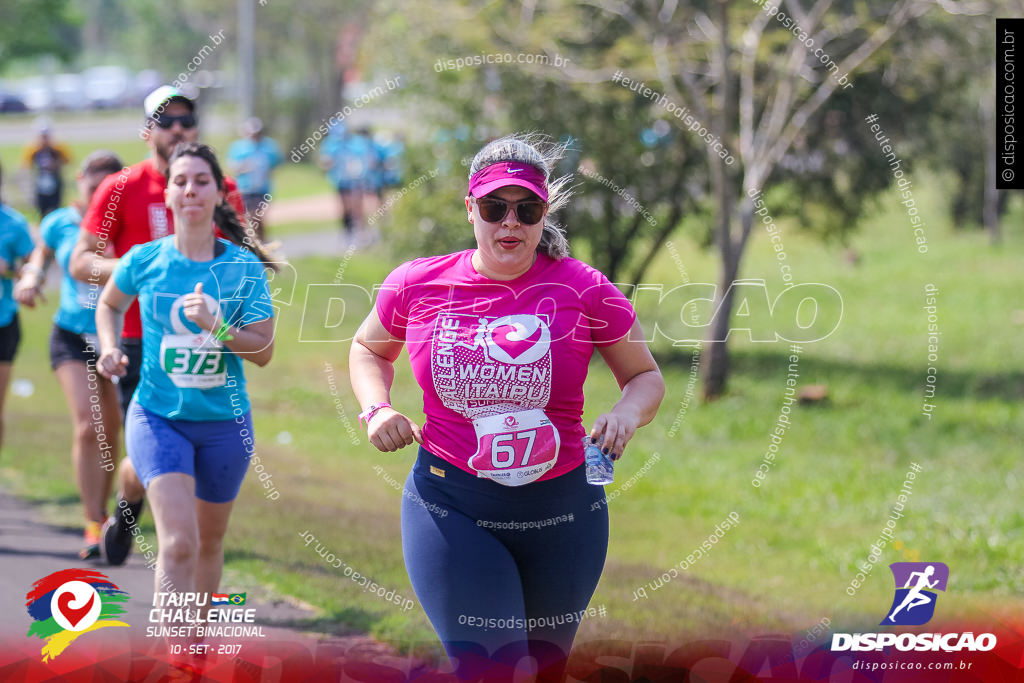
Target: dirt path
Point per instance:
(320, 208)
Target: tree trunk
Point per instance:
(715, 355)
(990, 205)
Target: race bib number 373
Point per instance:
(193, 361)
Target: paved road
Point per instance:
(106, 126)
(124, 124)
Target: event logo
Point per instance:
(483, 366)
(183, 325)
(916, 583)
(70, 603)
(914, 605)
(515, 339)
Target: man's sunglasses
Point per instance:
(166, 121)
(528, 211)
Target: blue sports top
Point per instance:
(15, 244)
(77, 309)
(186, 374)
(254, 161)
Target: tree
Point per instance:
(303, 51)
(775, 90)
(960, 135)
(630, 195)
(759, 96)
(29, 28)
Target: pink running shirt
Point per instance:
(481, 347)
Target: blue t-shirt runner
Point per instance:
(15, 245)
(186, 373)
(253, 160)
(77, 309)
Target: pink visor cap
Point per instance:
(505, 173)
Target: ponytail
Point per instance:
(226, 220)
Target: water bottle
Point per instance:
(600, 468)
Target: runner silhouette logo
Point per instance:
(916, 586)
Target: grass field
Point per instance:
(802, 534)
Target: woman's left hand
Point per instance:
(617, 428)
(195, 310)
(26, 294)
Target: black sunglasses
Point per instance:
(528, 211)
(166, 120)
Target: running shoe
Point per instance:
(91, 544)
(116, 541)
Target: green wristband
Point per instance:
(222, 332)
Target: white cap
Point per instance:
(252, 126)
(161, 96)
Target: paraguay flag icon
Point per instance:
(916, 586)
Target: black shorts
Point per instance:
(10, 337)
(47, 203)
(66, 345)
(126, 385)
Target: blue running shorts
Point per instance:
(216, 453)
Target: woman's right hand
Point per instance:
(390, 431)
(112, 363)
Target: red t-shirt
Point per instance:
(128, 208)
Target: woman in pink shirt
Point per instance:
(501, 535)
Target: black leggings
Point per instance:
(502, 572)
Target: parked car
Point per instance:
(9, 103)
(146, 81)
(108, 87)
(69, 92)
(36, 93)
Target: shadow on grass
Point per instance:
(344, 622)
(771, 365)
(340, 622)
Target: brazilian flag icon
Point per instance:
(237, 598)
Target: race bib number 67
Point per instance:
(515, 448)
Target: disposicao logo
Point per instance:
(916, 583)
(913, 605)
(70, 603)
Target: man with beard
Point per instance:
(128, 208)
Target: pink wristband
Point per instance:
(367, 415)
